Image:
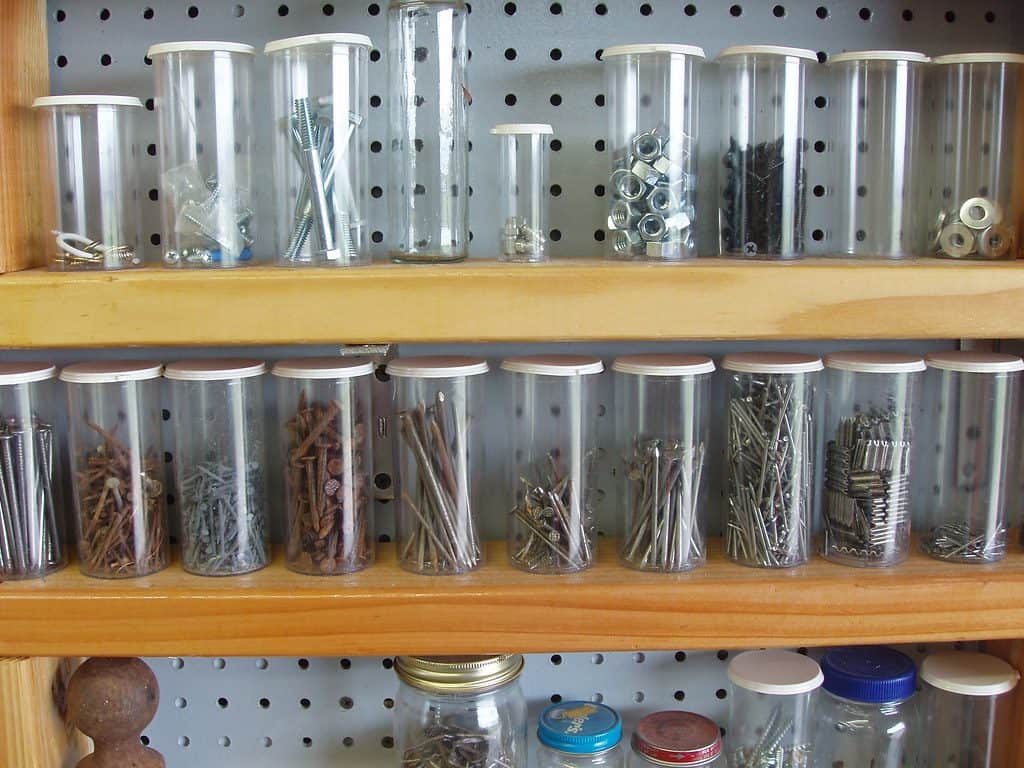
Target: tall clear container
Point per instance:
(320, 106)
(428, 195)
(978, 201)
(762, 180)
(579, 734)
(523, 190)
(217, 417)
(205, 113)
(117, 467)
(653, 127)
(325, 408)
(95, 160)
(662, 412)
(877, 137)
(677, 738)
(553, 424)
(870, 399)
(440, 462)
(974, 401)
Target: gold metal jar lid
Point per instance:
(458, 674)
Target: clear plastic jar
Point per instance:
(770, 454)
(117, 467)
(870, 399)
(325, 407)
(95, 161)
(662, 410)
(204, 108)
(428, 173)
(523, 190)
(653, 127)
(219, 452)
(974, 400)
(677, 738)
(321, 101)
(579, 734)
(551, 528)
(440, 463)
(762, 180)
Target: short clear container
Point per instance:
(762, 180)
(523, 190)
(579, 734)
(428, 197)
(553, 426)
(117, 467)
(771, 708)
(770, 455)
(217, 418)
(440, 462)
(325, 408)
(320, 108)
(31, 508)
(653, 128)
(973, 399)
(205, 114)
(976, 203)
(877, 138)
(677, 738)
(95, 160)
(662, 425)
(870, 400)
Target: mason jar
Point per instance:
(677, 738)
(579, 734)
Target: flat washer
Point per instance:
(940, 222)
(957, 240)
(995, 242)
(991, 213)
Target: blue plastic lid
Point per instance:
(871, 674)
(579, 727)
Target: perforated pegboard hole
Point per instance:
(181, 702)
(821, 12)
(721, 693)
(949, 16)
(779, 11)
(387, 742)
(638, 697)
(601, 9)
(262, 664)
(555, 698)
(176, 663)
(184, 741)
(222, 703)
(327, 9)
(865, 14)
(679, 695)
(690, 9)
(597, 658)
(193, 12)
(907, 15)
(303, 664)
(555, 9)
(264, 703)
(639, 658)
(348, 741)
(736, 11)
(267, 742)
(680, 656)
(346, 702)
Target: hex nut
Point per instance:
(661, 200)
(995, 242)
(630, 186)
(646, 146)
(957, 240)
(652, 227)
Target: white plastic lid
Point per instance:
(437, 366)
(879, 56)
(341, 38)
(554, 365)
(110, 371)
(775, 672)
(975, 362)
(87, 100)
(770, 50)
(217, 369)
(199, 46)
(772, 362)
(875, 362)
(625, 50)
(323, 368)
(25, 373)
(969, 673)
(512, 129)
(664, 365)
(980, 58)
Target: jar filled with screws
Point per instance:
(653, 126)
(326, 412)
(117, 475)
(321, 99)
(205, 113)
(677, 738)
(217, 412)
(551, 526)
(662, 407)
(523, 190)
(579, 734)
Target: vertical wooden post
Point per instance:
(1010, 726)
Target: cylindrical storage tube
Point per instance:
(428, 178)
(523, 190)
(320, 106)
(440, 462)
(877, 130)
(973, 399)
(662, 407)
(325, 407)
(870, 399)
(552, 527)
(579, 734)
(770, 453)
(95, 161)
(762, 181)
(677, 738)
(653, 126)
(117, 467)
(205, 113)
(978, 197)
(219, 452)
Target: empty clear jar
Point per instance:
(973, 397)
(204, 108)
(653, 126)
(677, 738)
(523, 190)
(95, 157)
(219, 452)
(320, 105)
(579, 734)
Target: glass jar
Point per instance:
(217, 417)
(440, 463)
(321, 100)
(117, 467)
(452, 709)
(677, 738)
(429, 149)
(325, 407)
(653, 127)
(579, 734)
(662, 410)
(870, 399)
(551, 528)
(95, 156)
(770, 454)
(523, 190)
(973, 397)
(205, 113)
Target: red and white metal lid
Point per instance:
(677, 738)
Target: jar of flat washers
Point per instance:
(579, 734)
(677, 738)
